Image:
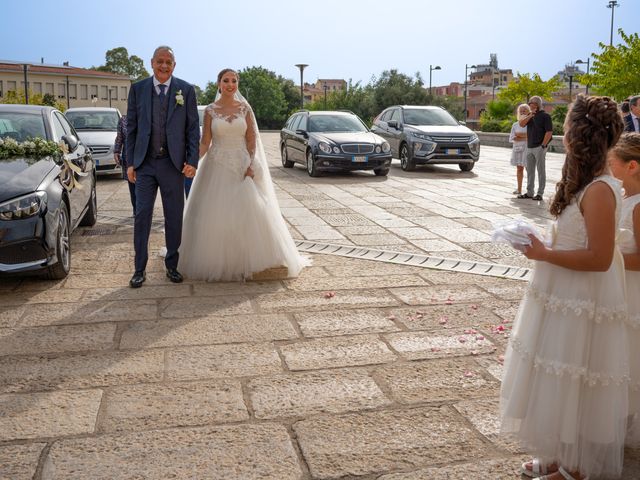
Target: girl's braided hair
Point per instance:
(592, 126)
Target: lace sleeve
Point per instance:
(251, 134)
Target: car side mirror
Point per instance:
(302, 132)
(393, 124)
(71, 141)
(462, 123)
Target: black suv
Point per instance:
(421, 135)
(332, 140)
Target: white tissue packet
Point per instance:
(516, 233)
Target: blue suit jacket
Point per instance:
(183, 128)
(628, 124)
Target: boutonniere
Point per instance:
(179, 98)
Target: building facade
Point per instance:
(71, 86)
(322, 87)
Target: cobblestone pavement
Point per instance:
(393, 377)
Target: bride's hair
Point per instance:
(222, 72)
(592, 126)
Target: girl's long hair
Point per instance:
(592, 126)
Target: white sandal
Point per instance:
(565, 474)
(537, 469)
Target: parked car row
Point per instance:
(42, 200)
(340, 141)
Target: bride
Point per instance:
(232, 224)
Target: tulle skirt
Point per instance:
(565, 392)
(231, 229)
(633, 303)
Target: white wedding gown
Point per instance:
(232, 225)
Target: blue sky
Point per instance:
(350, 39)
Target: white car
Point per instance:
(201, 109)
(97, 127)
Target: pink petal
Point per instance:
(435, 349)
(474, 352)
(479, 337)
(462, 339)
(468, 374)
(474, 307)
(329, 294)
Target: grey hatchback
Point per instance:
(421, 135)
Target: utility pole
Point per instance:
(612, 5)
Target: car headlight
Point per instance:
(386, 148)
(474, 143)
(23, 207)
(326, 148)
(422, 136)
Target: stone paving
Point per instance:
(357, 369)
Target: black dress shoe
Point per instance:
(174, 275)
(137, 280)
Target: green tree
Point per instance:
(615, 70)
(208, 95)
(291, 93)
(118, 61)
(354, 98)
(393, 88)
(264, 92)
(14, 97)
(524, 86)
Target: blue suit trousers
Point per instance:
(154, 174)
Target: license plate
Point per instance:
(453, 151)
(359, 159)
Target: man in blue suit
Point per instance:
(163, 134)
(632, 120)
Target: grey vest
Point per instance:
(158, 142)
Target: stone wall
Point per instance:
(502, 140)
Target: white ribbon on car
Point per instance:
(69, 170)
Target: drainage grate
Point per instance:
(127, 221)
(98, 231)
(417, 260)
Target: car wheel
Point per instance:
(91, 217)
(286, 163)
(406, 162)
(311, 165)
(381, 172)
(466, 167)
(61, 268)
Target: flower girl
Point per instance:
(565, 389)
(624, 161)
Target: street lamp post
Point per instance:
(612, 5)
(301, 66)
(325, 86)
(466, 68)
(431, 69)
(25, 67)
(586, 91)
(570, 87)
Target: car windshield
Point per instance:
(335, 123)
(93, 120)
(21, 126)
(424, 116)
